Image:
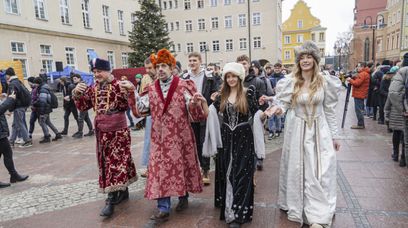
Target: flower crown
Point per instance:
(163, 56)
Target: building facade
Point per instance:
(40, 33)
(299, 27)
(224, 29)
(404, 28)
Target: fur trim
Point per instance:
(163, 56)
(235, 68)
(308, 48)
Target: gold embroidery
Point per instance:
(107, 105)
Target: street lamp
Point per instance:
(374, 27)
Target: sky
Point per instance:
(336, 15)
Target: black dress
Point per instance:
(235, 164)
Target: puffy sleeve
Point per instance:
(331, 97)
(196, 112)
(85, 101)
(284, 92)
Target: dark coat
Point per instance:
(16, 86)
(210, 86)
(67, 91)
(4, 129)
(43, 102)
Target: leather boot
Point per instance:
(107, 211)
(15, 177)
(4, 185)
(46, 139)
(182, 204)
(57, 136)
(121, 196)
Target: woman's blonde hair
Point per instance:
(241, 103)
(315, 84)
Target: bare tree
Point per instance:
(342, 48)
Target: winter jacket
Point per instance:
(260, 86)
(16, 86)
(4, 129)
(361, 83)
(267, 82)
(43, 102)
(378, 75)
(385, 84)
(67, 91)
(394, 106)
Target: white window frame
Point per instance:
(226, 20)
(177, 25)
(201, 24)
(200, 4)
(216, 45)
(24, 65)
(187, 4)
(38, 6)
(24, 51)
(229, 45)
(257, 42)
(213, 3)
(8, 7)
(121, 23)
(133, 19)
(47, 69)
(111, 58)
(320, 36)
(243, 43)
(299, 38)
(125, 60)
(287, 39)
(189, 25)
(64, 11)
(214, 21)
(202, 46)
(242, 20)
(256, 18)
(45, 53)
(86, 17)
(170, 4)
(240, 1)
(87, 54)
(178, 47)
(106, 19)
(287, 55)
(190, 47)
(164, 3)
(70, 52)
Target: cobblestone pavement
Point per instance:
(62, 188)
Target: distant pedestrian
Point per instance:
(83, 115)
(68, 103)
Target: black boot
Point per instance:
(4, 185)
(15, 177)
(57, 136)
(107, 211)
(121, 196)
(90, 133)
(182, 204)
(402, 161)
(46, 139)
(77, 135)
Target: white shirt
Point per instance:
(198, 80)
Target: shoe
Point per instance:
(29, 143)
(109, 208)
(77, 135)
(4, 185)
(381, 122)
(144, 174)
(57, 136)
(15, 177)
(206, 178)
(259, 164)
(182, 204)
(277, 135)
(394, 157)
(357, 127)
(160, 217)
(234, 225)
(402, 163)
(315, 225)
(121, 196)
(64, 133)
(90, 133)
(270, 136)
(19, 141)
(46, 139)
(30, 136)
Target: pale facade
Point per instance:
(404, 27)
(42, 32)
(222, 29)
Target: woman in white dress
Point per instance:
(307, 184)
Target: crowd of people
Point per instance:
(193, 118)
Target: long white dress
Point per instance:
(307, 180)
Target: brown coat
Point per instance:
(361, 83)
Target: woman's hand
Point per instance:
(274, 110)
(336, 145)
(214, 96)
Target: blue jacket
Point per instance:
(42, 103)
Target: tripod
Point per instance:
(346, 104)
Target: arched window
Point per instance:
(366, 49)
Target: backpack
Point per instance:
(54, 100)
(24, 95)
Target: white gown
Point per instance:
(307, 180)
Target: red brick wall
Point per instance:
(364, 8)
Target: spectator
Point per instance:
(34, 114)
(275, 122)
(68, 103)
(385, 84)
(376, 81)
(258, 71)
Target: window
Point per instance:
(228, 45)
(190, 47)
(242, 20)
(287, 39)
(255, 0)
(287, 55)
(11, 6)
(121, 23)
(164, 5)
(321, 37)
(228, 21)
(313, 37)
(257, 42)
(88, 56)
(299, 38)
(256, 18)
(175, 4)
(200, 4)
(85, 13)
(171, 26)
(106, 19)
(187, 4)
(18, 47)
(64, 10)
(366, 49)
(227, 2)
(216, 45)
(203, 46)
(39, 8)
(111, 59)
(170, 5)
(322, 52)
(166, 27)
(201, 24)
(177, 25)
(189, 26)
(47, 65)
(213, 3)
(173, 48)
(241, 1)
(242, 43)
(125, 60)
(379, 44)
(300, 24)
(397, 43)
(24, 66)
(45, 49)
(179, 47)
(70, 56)
(214, 22)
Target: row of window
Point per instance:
(300, 38)
(40, 9)
(200, 4)
(216, 45)
(201, 24)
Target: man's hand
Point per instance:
(263, 99)
(66, 98)
(274, 110)
(12, 95)
(348, 79)
(80, 88)
(198, 99)
(126, 86)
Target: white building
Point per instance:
(42, 32)
(224, 29)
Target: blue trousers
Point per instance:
(359, 108)
(19, 126)
(146, 144)
(275, 124)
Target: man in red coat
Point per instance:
(360, 85)
(173, 165)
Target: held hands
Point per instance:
(66, 98)
(274, 110)
(198, 99)
(214, 96)
(264, 99)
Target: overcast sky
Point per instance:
(336, 15)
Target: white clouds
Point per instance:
(336, 15)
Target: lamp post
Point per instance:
(205, 51)
(374, 27)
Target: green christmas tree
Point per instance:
(149, 33)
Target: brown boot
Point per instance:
(206, 178)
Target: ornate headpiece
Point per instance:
(163, 56)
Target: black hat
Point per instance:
(386, 62)
(10, 71)
(100, 64)
(256, 64)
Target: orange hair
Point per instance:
(163, 56)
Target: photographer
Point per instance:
(360, 84)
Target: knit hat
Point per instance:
(163, 56)
(393, 70)
(405, 60)
(256, 64)
(138, 76)
(10, 71)
(236, 69)
(308, 48)
(100, 64)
